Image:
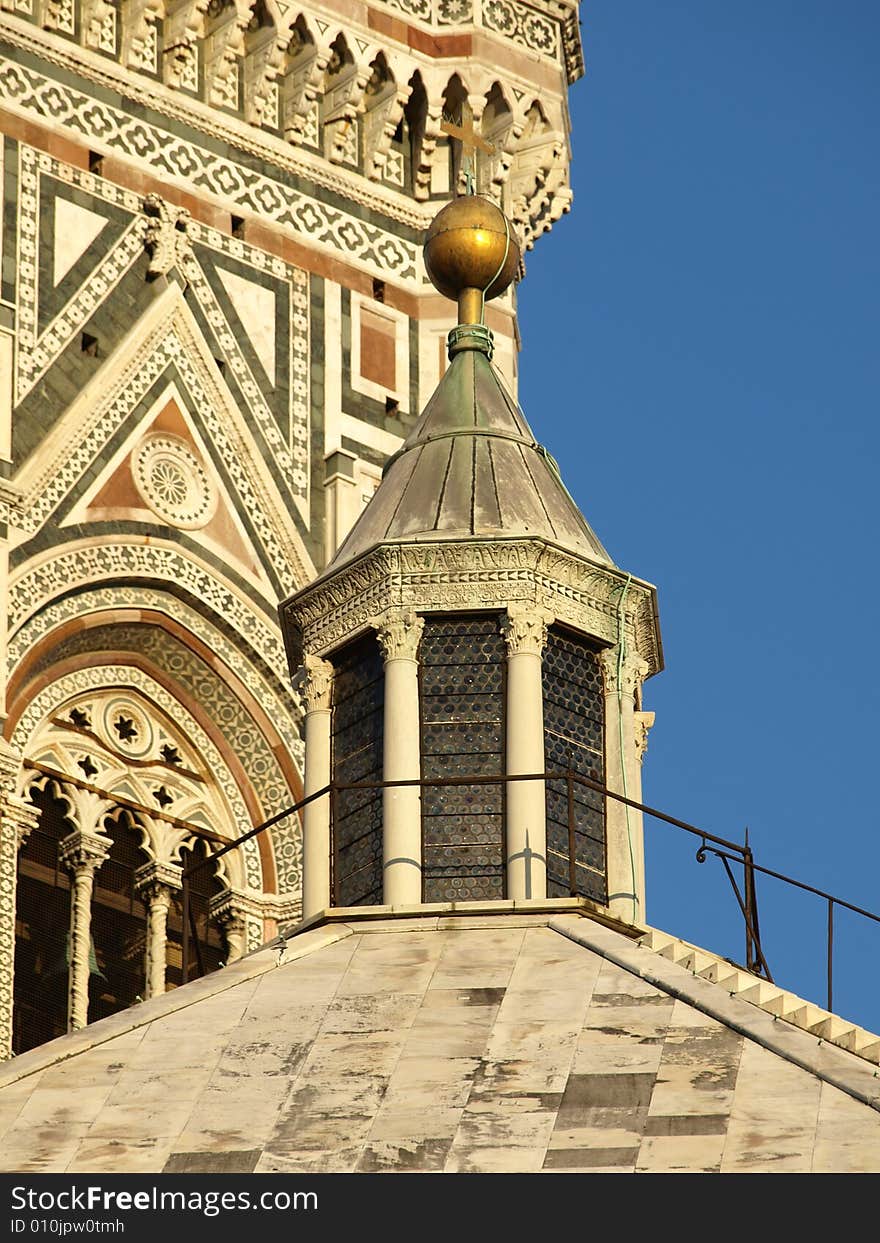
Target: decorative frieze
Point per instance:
(474, 576)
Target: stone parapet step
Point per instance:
(770, 997)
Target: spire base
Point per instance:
(470, 337)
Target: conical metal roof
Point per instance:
(471, 467)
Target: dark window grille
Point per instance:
(117, 958)
(462, 686)
(42, 928)
(574, 733)
(208, 950)
(357, 737)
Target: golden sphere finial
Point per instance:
(471, 253)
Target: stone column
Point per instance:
(82, 853)
(17, 818)
(625, 861)
(399, 636)
(156, 883)
(316, 687)
(525, 631)
(241, 916)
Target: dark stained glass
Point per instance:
(462, 664)
(358, 707)
(574, 733)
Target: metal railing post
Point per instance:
(184, 932)
(572, 845)
(830, 946)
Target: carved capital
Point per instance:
(157, 881)
(626, 676)
(316, 682)
(82, 853)
(643, 724)
(524, 629)
(399, 635)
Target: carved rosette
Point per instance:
(316, 683)
(524, 630)
(399, 635)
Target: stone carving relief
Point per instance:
(399, 635)
(316, 683)
(524, 630)
(173, 482)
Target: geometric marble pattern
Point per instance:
(482, 1043)
(52, 101)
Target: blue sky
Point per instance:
(711, 307)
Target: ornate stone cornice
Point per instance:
(524, 630)
(316, 683)
(399, 634)
(472, 575)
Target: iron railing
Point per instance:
(728, 852)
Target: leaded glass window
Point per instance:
(358, 706)
(462, 685)
(574, 733)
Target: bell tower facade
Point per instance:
(215, 328)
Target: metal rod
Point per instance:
(830, 946)
(761, 961)
(572, 849)
(184, 931)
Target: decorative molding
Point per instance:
(257, 640)
(219, 176)
(399, 634)
(474, 575)
(524, 630)
(534, 208)
(644, 722)
(316, 683)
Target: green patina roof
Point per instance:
(471, 467)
